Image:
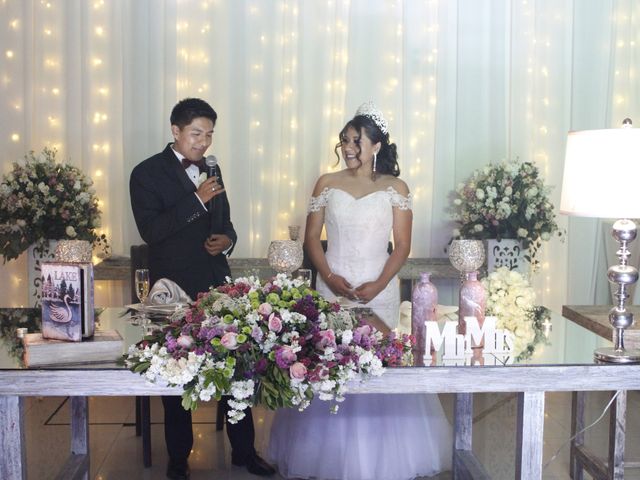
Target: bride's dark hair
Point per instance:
(387, 159)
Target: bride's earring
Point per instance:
(375, 160)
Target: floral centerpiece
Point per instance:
(511, 299)
(41, 199)
(505, 200)
(276, 343)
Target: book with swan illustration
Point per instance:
(67, 301)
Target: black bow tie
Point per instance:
(186, 163)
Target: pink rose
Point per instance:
(229, 340)
(275, 324)
(327, 339)
(297, 371)
(265, 309)
(185, 341)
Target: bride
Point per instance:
(372, 436)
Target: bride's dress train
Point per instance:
(372, 437)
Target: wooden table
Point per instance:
(595, 318)
(550, 369)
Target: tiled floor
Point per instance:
(116, 453)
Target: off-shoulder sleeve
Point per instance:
(316, 203)
(400, 201)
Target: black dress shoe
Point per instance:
(178, 471)
(255, 465)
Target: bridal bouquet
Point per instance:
(511, 299)
(505, 200)
(277, 343)
(41, 200)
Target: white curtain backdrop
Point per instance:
(462, 83)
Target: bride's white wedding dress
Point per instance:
(372, 437)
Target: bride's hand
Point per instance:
(367, 291)
(340, 286)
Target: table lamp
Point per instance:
(601, 179)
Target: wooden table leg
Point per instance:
(617, 432)
(576, 469)
(13, 459)
(77, 466)
(530, 435)
(462, 425)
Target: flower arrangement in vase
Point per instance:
(41, 200)
(277, 343)
(507, 200)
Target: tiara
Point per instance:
(368, 109)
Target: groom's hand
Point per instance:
(217, 243)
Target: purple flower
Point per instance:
(257, 334)
(261, 366)
(285, 356)
(307, 307)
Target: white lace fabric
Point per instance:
(397, 200)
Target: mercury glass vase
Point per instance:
(285, 256)
(466, 256)
(73, 251)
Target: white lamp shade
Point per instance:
(602, 174)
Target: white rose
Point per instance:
(545, 236)
(479, 194)
(478, 228)
(522, 233)
(457, 201)
(70, 231)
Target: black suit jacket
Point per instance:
(175, 225)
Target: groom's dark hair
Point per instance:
(189, 108)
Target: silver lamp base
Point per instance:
(611, 355)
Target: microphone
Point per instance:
(212, 165)
(211, 162)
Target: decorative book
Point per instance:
(105, 346)
(67, 301)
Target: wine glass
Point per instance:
(142, 290)
(466, 256)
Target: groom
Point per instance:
(174, 214)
